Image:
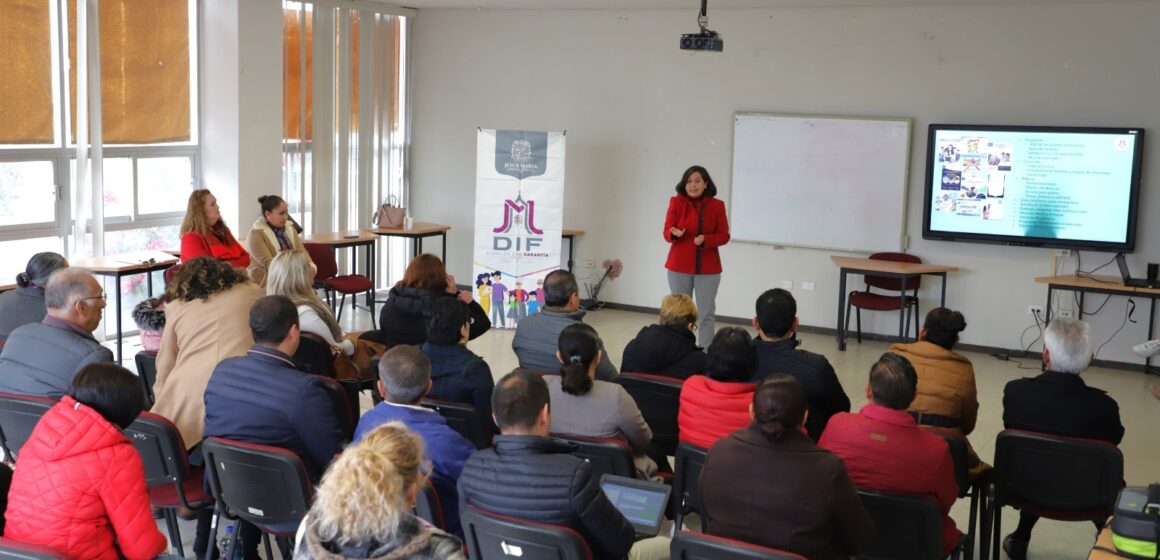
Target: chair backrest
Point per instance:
(689, 461)
(1060, 477)
(909, 527)
(607, 455)
(340, 398)
(147, 372)
(161, 448)
(314, 355)
(18, 417)
(957, 446)
(658, 398)
(15, 550)
(894, 284)
(323, 257)
(171, 273)
(465, 419)
(497, 537)
(702, 546)
(263, 485)
(427, 505)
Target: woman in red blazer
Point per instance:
(205, 234)
(695, 226)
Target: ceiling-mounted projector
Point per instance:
(707, 39)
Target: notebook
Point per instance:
(642, 502)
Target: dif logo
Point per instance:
(519, 231)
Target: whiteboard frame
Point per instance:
(903, 240)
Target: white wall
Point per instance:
(638, 111)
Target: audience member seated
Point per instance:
(363, 506)
(291, 274)
(585, 406)
(717, 404)
(457, 374)
(777, 352)
(1058, 402)
(205, 234)
(404, 378)
(25, 303)
(537, 335)
(884, 449)
(42, 358)
(669, 347)
(946, 397)
(273, 233)
(261, 398)
(425, 280)
(770, 485)
(79, 484)
(149, 316)
(205, 323)
(529, 475)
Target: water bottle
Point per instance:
(224, 545)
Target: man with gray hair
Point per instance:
(404, 379)
(1058, 402)
(41, 358)
(537, 335)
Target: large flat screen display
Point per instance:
(1034, 186)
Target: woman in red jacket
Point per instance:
(79, 485)
(204, 234)
(695, 226)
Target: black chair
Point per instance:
(491, 536)
(689, 460)
(607, 455)
(427, 505)
(701, 546)
(314, 355)
(172, 483)
(340, 398)
(263, 485)
(1060, 478)
(977, 490)
(147, 373)
(15, 550)
(909, 527)
(658, 398)
(18, 417)
(465, 419)
(904, 303)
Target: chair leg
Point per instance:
(340, 306)
(266, 542)
(170, 515)
(972, 526)
(285, 546)
(997, 532)
(213, 524)
(858, 314)
(917, 315)
(371, 297)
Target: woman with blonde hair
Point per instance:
(291, 274)
(205, 234)
(669, 347)
(363, 506)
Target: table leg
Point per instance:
(117, 297)
(149, 282)
(943, 300)
(571, 252)
(902, 310)
(841, 308)
(1151, 318)
(1047, 309)
(371, 275)
(445, 247)
(416, 247)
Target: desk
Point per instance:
(354, 239)
(7, 287)
(1110, 285)
(892, 269)
(418, 231)
(570, 235)
(127, 264)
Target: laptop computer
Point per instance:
(1128, 280)
(642, 502)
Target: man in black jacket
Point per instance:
(531, 476)
(1058, 402)
(777, 352)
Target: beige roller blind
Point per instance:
(26, 67)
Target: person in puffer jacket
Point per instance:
(79, 485)
(669, 347)
(716, 405)
(401, 321)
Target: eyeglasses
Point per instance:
(101, 297)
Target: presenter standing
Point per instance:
(695, 226)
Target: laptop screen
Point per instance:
(641, 502)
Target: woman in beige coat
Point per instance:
(947, 397)
(271, 234)
(206, 321)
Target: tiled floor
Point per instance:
(1140, 413)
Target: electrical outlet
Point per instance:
(589, 263)
(1063, 252)
(787, 284)
(1036, 310)
(808, 286)
(1065, 313)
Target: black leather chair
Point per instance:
(701, 546)
(147, 373)
(19, 414)
(15, 550)
(689, 460)
(909, 526)
(1061, 478)
(465, 419)
(658, 398)
(607, 455)
(340, 398)
(263, 485)
(491, 536)
(977, 490)
(314, 355)
(427, 506)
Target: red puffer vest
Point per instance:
(78, 486)
(711, 410)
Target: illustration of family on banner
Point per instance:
(519, 217)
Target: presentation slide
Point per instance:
(1054, 185)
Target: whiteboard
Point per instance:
(822, 182)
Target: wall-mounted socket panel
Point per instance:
(808, 286)
(1036, 310)
(787, 284)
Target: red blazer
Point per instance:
(78, 486)
(194, 245)
(682, 214)
(885, 450)
(710, 410)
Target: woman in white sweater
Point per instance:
(292, 275)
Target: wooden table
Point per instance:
(1091, 284)
(418, 231)
(6, 287)
(353, 239)
(570, 236)
(129, 264)
(891, 269)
